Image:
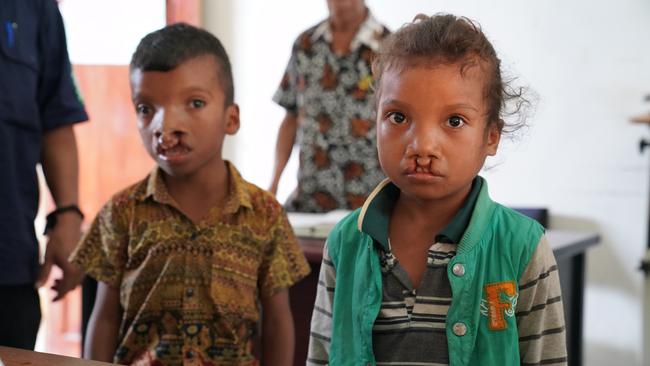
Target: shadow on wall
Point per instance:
(613, 298)
(601, 354)
(604, 266)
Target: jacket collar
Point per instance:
(375, 214)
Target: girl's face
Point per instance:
(432, 131)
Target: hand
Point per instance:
(62, 239)
(274, 187)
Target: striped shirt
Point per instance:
(410, 327)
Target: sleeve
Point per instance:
(320, 334)
(102, 252)
(540, 314)
(57, 96)
(284, 264)
(286, 94)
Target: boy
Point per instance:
(184, 256)
(431, 271)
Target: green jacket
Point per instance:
(481, 327)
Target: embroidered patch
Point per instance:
(501, 301)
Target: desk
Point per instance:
(21, 357)
(570, 249)
(568, 246)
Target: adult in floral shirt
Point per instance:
(326, 91)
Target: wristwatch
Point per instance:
(50, 219)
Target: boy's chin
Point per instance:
(174, 171)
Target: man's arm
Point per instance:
(61, 168)
(277, 330)
(104, 324)
(283, 147)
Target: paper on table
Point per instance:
(315, 225)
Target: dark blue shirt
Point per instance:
(37, 95)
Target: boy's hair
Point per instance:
(448, 39)
(168, 47)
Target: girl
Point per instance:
(430, 270)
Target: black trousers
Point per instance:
(20, 316)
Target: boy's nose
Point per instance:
(169, 126)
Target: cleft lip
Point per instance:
(423, 171)
(172, 152)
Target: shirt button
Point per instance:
(458, 269)
(189, 292)
(460, 329)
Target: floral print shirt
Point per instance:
(331, 96)
(190, 292)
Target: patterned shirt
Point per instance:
(331, 97)
(190, 292)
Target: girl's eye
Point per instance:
(396, 118)
(455, 122)
(197, 103)
(143, 109)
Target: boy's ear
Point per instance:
(493, 137)
(232, 119)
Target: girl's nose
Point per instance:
(425, 143)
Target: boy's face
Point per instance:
(181, 115)
(432, 131)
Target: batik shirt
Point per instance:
(331, 97)
(190, 292)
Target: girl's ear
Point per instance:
(232, 119)
(493, 136)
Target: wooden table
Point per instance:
(568, 246)
(20, 357)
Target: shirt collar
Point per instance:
(375, 213)
(238, 196)
(369, 34)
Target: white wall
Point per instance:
(103, 32)
(589, 63)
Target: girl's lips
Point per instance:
(418, 177)
(420, 174)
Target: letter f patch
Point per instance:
(501, 302)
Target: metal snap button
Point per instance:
(458, 269)
(459, 329)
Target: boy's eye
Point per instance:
(455, 121)
(396, 117)
(197, 103)
(143, 109)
